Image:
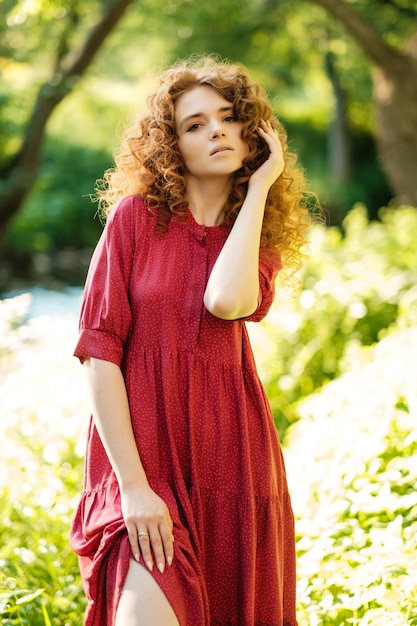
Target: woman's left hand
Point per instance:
(273, 167)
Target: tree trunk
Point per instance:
(339, 139)
(18, 176)
(395, 91)
(396, 122)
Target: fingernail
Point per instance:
(150, 565)
(169, 560)
(161, 567)
(137, 556)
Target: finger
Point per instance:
(267, 127)
(263, 128)
(270, 135)
(133, 540)
(158, 549)
(276, 152)
(145, 547)
(167, 542)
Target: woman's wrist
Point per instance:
(131, 482)
(258, 188)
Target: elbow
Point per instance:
(227, 308)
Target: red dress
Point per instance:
(203, 428)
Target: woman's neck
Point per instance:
(206, 200)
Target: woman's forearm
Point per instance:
(112, 419)
(143, 510)
(233, 287)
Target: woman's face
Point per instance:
(209, 136)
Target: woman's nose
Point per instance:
(217, 130)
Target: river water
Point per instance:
(50, 302)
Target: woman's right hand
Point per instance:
(149, 526)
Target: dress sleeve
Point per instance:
(105, 311)
(269, 266)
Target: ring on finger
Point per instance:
(143, 533)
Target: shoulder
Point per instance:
(130, 207)
(131, 214)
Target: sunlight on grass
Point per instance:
(352, 463)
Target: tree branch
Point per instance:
(63, 80)
(20, 174)
(365, 34)
(75, 64)
(63, 43)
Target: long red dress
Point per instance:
(202, 425)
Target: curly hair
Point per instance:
(149, 163)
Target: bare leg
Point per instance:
(142, 602)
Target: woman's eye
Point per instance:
(230, 118)
(193, 127)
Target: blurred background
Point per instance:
(337, 358)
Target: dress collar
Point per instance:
(201, 231)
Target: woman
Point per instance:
(185, 518)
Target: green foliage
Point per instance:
(59, 224)
(353, 288)
(351, 462)
(60, 214)
(366, 184)
(37, 553)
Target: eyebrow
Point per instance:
(187, 118)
